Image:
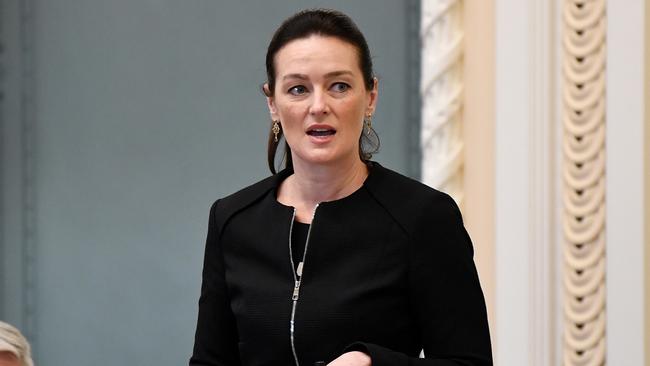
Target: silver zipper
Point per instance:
(297, 278)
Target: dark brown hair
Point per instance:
(323, 22)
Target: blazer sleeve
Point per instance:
(216, 339)
(445, 293)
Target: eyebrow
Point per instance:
(328, 75)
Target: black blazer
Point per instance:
(389, 271)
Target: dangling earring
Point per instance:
(276, 130)
(368, 123)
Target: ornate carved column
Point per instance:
(441, 91)
(584, 181)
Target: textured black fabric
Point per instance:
(298, 240)
(389, 271)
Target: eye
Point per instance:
(340, 87)
(297, 90)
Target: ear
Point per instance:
(270, 102)
(372, 97)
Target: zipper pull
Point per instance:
(296, 291)
(299, 270)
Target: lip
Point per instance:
(320, 139)
(320, 126)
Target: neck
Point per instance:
(311, 183)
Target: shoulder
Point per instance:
(410, 202)
(225, 207)
(427, 215)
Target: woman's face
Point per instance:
(320, 99)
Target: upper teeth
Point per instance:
(320, 129)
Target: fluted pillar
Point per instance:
(442, 90)
(584, 200)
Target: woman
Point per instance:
(335, 259)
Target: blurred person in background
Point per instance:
(14, 348)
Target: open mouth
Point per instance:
(318, 132)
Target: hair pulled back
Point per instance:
(323, 22)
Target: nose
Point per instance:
(319, 104)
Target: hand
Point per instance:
(354, 358)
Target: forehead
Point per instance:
(316, 54)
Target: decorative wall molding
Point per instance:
(584, 181)
(625, 214)
(441, 91)
(543, 187)
(527, 104)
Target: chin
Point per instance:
(325, 159)
(320, 160)
(325, 155)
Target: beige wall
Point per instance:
(647, 182)
(478, 133)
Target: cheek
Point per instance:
(291, 113)
(291, 118)
(352, 113)
(353, 106)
